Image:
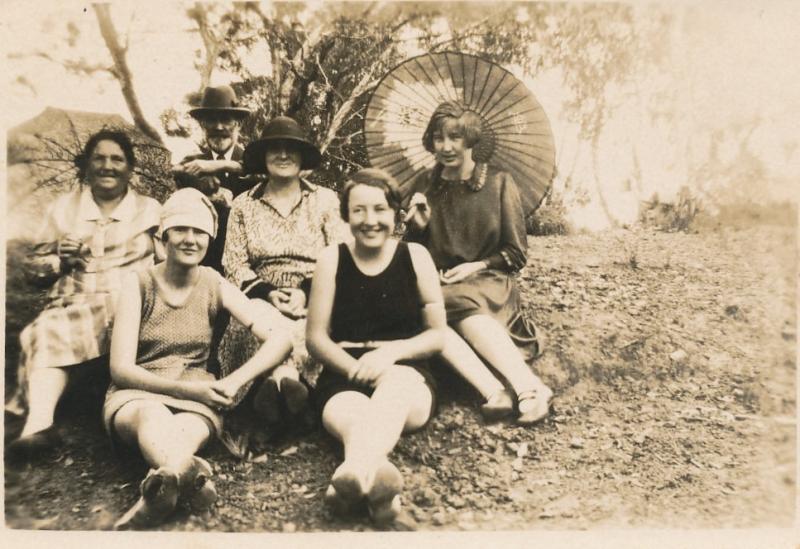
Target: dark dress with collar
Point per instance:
(478, 220)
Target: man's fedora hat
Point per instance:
(220, 99)
(281, 128)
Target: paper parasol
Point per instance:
(516, 134)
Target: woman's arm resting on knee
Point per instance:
(124, 342)
(320, 307)
(276, 341)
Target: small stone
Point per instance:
(678, 356)
(439, 518)
(289, 527)
(576, 442)
(289, 451)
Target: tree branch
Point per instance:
(123, 73)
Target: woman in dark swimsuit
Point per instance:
(376, 314)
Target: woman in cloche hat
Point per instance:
(275, 232)
(163, 400)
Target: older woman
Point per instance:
(275, 232)
(90, 239)
(476, 260)
(376, 315)
(163, 399)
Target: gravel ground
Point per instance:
(673, 359)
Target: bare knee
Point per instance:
(342, 410)
(410, 385)
(138, 416)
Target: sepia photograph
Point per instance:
(494, 274)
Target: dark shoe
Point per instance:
(498, 406)
(536, 403)
(267, 402)
(34, 447)
(296, 394)
(159, 497)
(384, 496)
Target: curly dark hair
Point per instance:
(372, 177)
(117, 136)
(468, 122)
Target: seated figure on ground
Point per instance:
(163, 400)
(90, 239)
(375, 317)
(469, 216)
(275, 232)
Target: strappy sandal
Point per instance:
(383, 499)
(159, 497)
(541, 397)
(497, 406)
(196, 486)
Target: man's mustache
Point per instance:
(219, 134)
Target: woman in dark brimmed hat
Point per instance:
(275, 232)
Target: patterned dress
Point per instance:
(75, 325)
(264, 246)
(174, 342)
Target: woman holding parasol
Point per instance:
(469, 215)
(473, 152)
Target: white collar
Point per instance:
(89, 211)
(227, 156)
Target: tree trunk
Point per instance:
(122, 72)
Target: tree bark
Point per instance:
(122, 72)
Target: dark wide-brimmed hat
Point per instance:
(221, 99)
(281, 128)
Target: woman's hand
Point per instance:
(227, 387)
(372, 365)
(206, 392)
(462, 271)
(70, 250)
(419, 213)
(289, 301)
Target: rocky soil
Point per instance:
(673, 359)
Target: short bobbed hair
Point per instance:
(372, 177)
(119, 137)
(467, 122)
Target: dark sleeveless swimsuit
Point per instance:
(383, 307)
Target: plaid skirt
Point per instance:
(66, 333)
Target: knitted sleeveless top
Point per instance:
(382, 307)
(174, 338)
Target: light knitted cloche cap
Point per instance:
(189, 207)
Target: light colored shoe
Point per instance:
(534, 405)
(383, 498)
(498, 406)
(196, 486)
(159, 497)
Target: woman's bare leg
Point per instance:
(460, 356)
(369, 429)
(492, 341)
(164, 438)
(45, 387)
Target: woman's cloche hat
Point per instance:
(188, 207)
(285, 129)
(220, 99)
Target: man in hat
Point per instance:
(215, 169)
